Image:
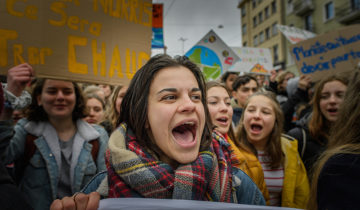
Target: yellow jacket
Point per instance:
(296, 189)
(249, 163)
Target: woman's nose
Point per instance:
(187, 105)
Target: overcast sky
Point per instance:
(192, 19)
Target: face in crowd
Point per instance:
(242, 93)
(230, 80)
(119, 98)
(176, 116)
(107, 90)
(95, 107)
(57, 99)
(219, 104)
(332, 95)
(259, 120)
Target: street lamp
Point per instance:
(183, 43)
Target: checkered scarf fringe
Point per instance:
(134, 172)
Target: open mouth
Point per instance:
(185, 133)
(332, 111)
(222, 120)
(256, 128)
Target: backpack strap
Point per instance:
(30, 147)
(304, 142)
(94, 149)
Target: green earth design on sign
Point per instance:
(207, 61)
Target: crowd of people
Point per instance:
(281, 141)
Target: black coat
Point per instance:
(339, 183)
(313, 147)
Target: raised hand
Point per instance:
(17, 78)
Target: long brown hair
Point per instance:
(212, 84)
(318, 126)
(345, 134)
(111, 114)
(273, 145)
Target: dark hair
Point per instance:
(226, 75)
(242, 80)
(273, 145)
(134, 107)
(37, 113)
(318, 127)
(1, 98)
(212, 84)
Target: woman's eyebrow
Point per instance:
(174, 90)
(195, 89)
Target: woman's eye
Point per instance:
(340, 95)
(324, 96)
(97, 109)
(212, 102)
(51, 92)
(196, 97)
(67, 92)
(168, 97)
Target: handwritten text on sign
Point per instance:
(331, 53)
(93, 41)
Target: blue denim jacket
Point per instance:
(40, 178)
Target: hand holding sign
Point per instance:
(18, 77)
(79, 201)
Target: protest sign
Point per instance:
(212, 55)
(157, 27)
(89, 41)
(253, 60)
(334, 52)
(295, 35)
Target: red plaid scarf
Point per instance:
(134, 172)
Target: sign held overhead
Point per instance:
(88, 41)
(334, 52)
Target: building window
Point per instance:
(244, 29)
(308, 23)
(273, 7)
(275, 53)
(355, 4)
(266, 11)
(254, 21)
(262, 38)
(329, 11)
(243, 11)
(267, 33)
(274, 29)
(289, 7)
(244, 44)
(253, 4)
(260, 17)
(255, 40)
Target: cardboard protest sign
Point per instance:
(253, 60)
(89, 41)
(334, 52)
(295, 35)
(212, 55)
